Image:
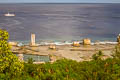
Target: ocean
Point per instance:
(61, 22)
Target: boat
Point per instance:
(9, 14)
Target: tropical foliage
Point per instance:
(10, 66)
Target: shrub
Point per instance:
(9, 63)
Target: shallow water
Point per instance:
(35, 58)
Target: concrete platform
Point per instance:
(67, 51)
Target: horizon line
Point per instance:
(57, 3)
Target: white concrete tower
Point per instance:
(32, 39)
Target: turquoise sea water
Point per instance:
(36, 58)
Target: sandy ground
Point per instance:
(67, 51)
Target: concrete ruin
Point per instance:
(33, 39)
(52, 47)
(118, 39)
(20, 57)
(76, 44)
(13, 43)
(86, 41)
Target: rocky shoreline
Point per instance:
(76, 50)
(81, 53)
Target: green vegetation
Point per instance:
(97, 69)
(10, 66)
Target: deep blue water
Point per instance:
(61, 21)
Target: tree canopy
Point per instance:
(9, 63)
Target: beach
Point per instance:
(81, 53)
